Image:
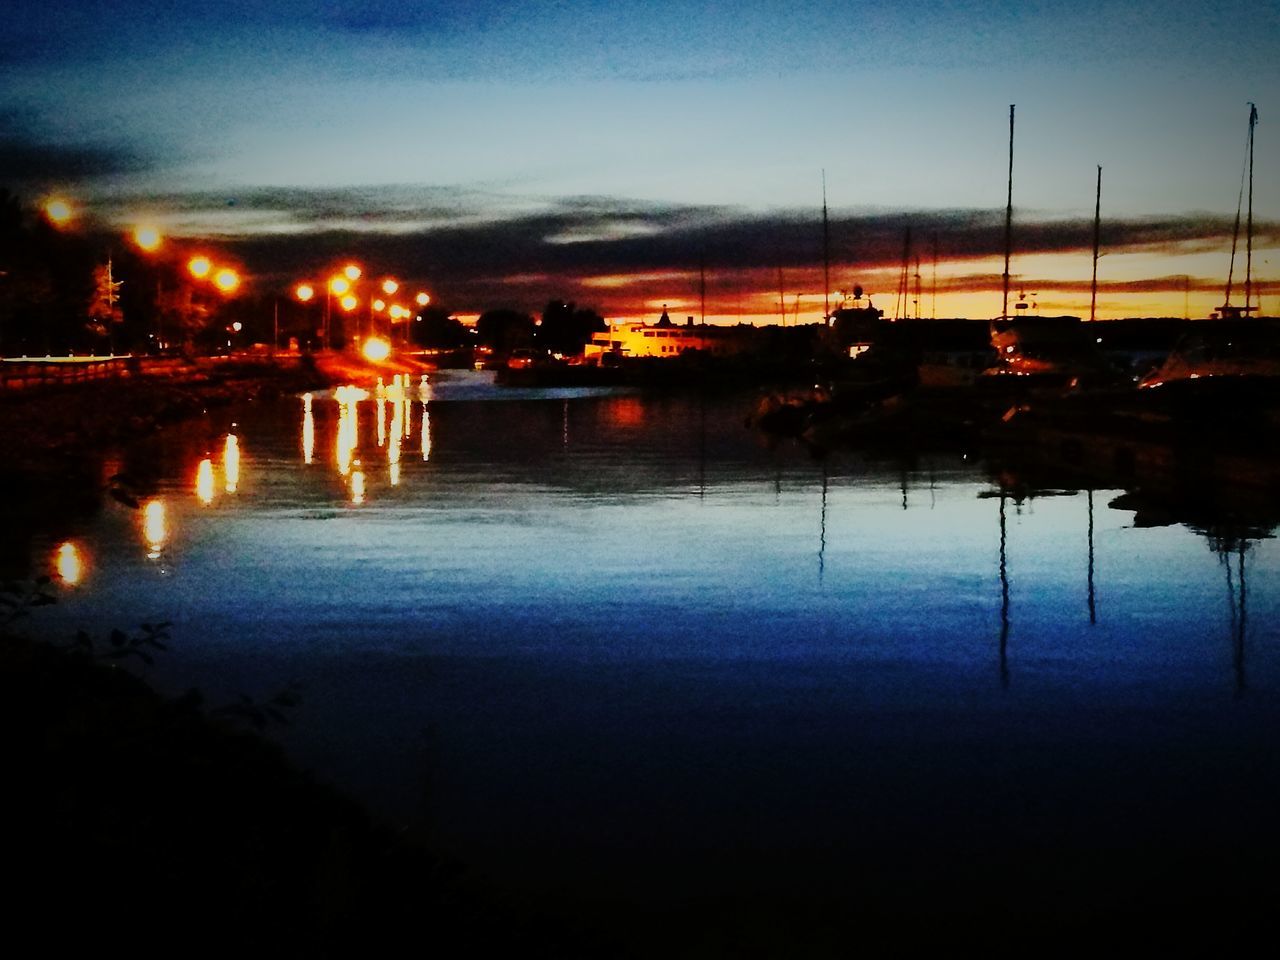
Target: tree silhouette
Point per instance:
(504, 330)
(565, 328)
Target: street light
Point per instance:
(304, 293)
(199, 267)
(226, 280)
(352, 272)
(58, 211)
(147, 238)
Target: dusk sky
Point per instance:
(505, 152)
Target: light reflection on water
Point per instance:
(653, 630)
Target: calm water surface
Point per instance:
(620, 644)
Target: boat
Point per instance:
(1231, 353)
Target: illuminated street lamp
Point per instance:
(304, 293)
(147, 238)
(351, 272)
(199, 267)
(349, 303)
(422, 299)
(339, 286)
(389, 286)
(226, 280)
(58, 211)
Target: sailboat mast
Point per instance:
(826, 254)
(782, 298)
(1008, 222)
(933, 310)
(1097, 235)
(1248, 257)
(702, 284)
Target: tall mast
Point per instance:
(901, 307)
(702, 283)
(782, 298)
(826, 254)
(1008, 222)
(1097, 233)
(933, 311)
(1248, 259)
(918, 292)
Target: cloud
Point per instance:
(476, 250)
(28, 159)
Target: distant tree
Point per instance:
(436, 330)
(504, 330)
(45, 282)
(104, 312)
(565, 328)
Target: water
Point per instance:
(619, 646)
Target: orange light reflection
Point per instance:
(69, 563)
(204, 481)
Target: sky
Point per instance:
(627, 156)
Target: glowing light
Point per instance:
(389, 286)
(226, 280)
(351, 272)
(382, 423)
(379, 305)
(308, 430)
(349, 302)
(357, 484)
(422, 299)
(154, 528)
(426, 433)
(304, 292)
(237, 326)
(204, 481)
(58, 211)
(348, 425)
(376, 349)
(339, 285)
(199, 267)
(350, 394)
(69, 564)
(393, 451)
(148, 238)
(231, 462)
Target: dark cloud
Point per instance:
(477, 250)
(28, 159)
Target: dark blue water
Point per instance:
(621, 646)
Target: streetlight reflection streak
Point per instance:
(154, 528)
(231, 462)
(204, 481)
(69, 563)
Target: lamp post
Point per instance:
(148, 239)
(337, 286)
(304, 293)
